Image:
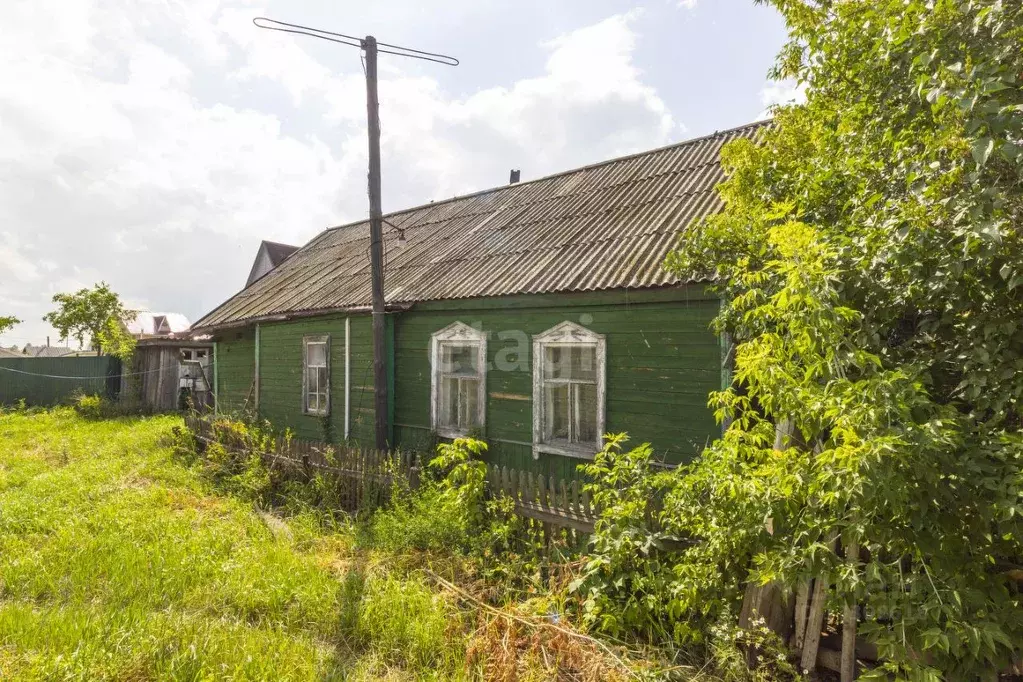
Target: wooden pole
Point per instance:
(814, 623)
(848, 672)
(369, 45)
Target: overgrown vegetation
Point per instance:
(870, 257)
(116, 562)
(130, 550)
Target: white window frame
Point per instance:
(324, 339)
(457, 334)
(567, 335)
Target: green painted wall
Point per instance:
(280, 386)
(662, 361)
(235, 358)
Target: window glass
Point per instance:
(317, 355)
(556, 412)
(568, 382)
(458, 376)
(316, 377)
(574, 363)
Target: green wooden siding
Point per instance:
(280, 386)
(235, 370)
(662, 361)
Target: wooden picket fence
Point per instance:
(364, 476)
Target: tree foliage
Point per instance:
(95, 313)
(871, 259)
(8, 322)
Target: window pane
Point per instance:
(556, 412)
(578, 363)
(447, 402)
(312, 376)
(321, 379)
(469, 404)
(585, 412)
(553, 362)
(317, 354)
(583, 364)
(459, 359)
(313, 403)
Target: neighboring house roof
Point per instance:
(268, 257)
(48, 351)
(7, 353)
(148, 323)
(605, 226)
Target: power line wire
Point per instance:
(353, 41)
(102, 376)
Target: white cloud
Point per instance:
(776, 93)
(152, 144)
(687, 4)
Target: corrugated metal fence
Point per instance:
(49, 381)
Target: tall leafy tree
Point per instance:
(96, 313)
(8, 322)
(870, 257)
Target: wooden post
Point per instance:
(802, 603)
(814, 623)
(369, 45)
(848, 672)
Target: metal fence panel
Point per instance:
(49, 381)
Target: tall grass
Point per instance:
(118, 562)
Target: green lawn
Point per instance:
(118, 562)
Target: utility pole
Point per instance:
(376, 249)
(371, 49)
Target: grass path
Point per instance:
(117, 562)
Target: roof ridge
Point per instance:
(598, 164)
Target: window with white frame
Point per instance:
(568, 391)
(316, 375)
(458, 361)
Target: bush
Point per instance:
(628, 583)
(92, 406)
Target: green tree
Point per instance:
(871, 259)
(7, 323)
(95, 313)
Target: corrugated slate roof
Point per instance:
(605, 226)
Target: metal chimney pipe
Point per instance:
(515, 175)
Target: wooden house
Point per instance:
(537, 316)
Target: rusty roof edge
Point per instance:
(598, 164)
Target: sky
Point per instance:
(152, 144)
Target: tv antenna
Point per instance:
(370, 48)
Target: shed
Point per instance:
(165, 371)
